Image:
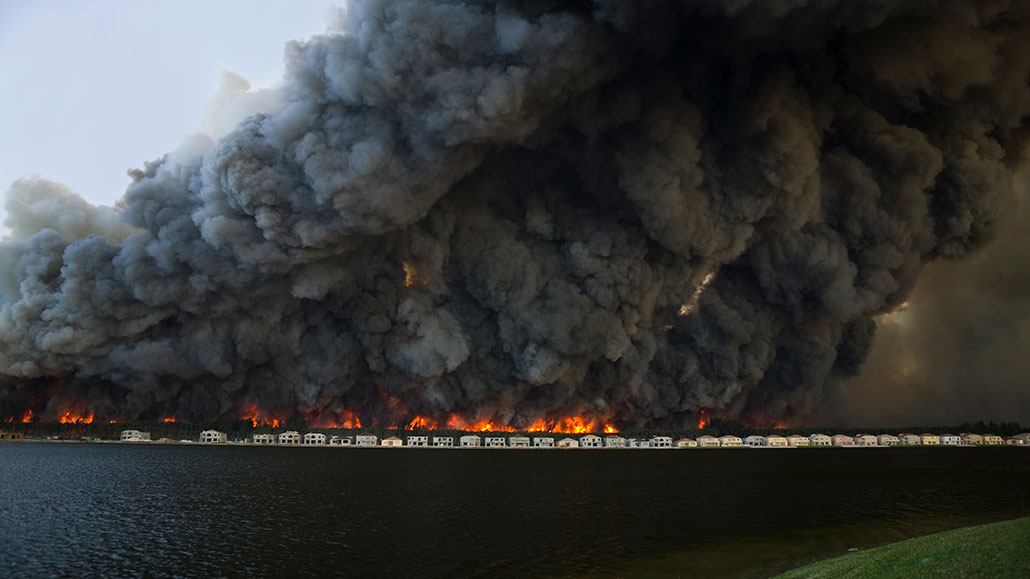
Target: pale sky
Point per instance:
(89, 89)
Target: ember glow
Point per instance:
(703, 420)
(70, 418)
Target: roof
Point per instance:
(366, 435)
(391, 438)
(686, 440)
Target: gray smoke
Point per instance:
(534, 209)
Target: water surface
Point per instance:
(222, 511)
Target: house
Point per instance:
(755, 441)
(927, 439)
(775, 440)
(993, 439)
(842, 440)
(819, 440)
(417, 441)
(365, 439)
(496, 442)
(686, 443)
(661, 442)
(951, 439)
(730, 440)
(391, 441)
(637, 443)
(470, 441)
(707, 441)
(289, 437)
(519, 442)
(263, 439)
(909, 439)
(865, 440)
(212, 436)
(971, 439)
(341, 441)
(590, 441)
(1024, 436)
(543, 442)
(797, 440)
(4, 435)
(614, 441)
(1013, 441)
(314, 439)
(134, 436)
(568, 443)
(888, 440)
(443, 441)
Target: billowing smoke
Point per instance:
(627, 210)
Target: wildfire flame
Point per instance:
(687, 308)
(703, 420)
(27, 417)
(169, 419)
(70, 418)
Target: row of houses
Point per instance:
(293, 437)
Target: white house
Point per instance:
(707, 441)
(755, 441)
(909, 439)
(341, 441)
(135, 436)
(819, 440)
(314, 438)
(417, 441)
(263, 439)
(391, 441)
(590, 441)
(971, 439)
(865, 440)
(797, 440)
(519, 442)
(686, 443)
(212, 436)
(1024, 436)
(365, 439)
(927, 439)
(543, 442)
(614, 441)
(637, 443)
(1013, 441)
(470, 441)
(661, 442)
(776, 440)
(289, 437)
(496, 442)
(842, 440)
(443, 441)
(888, 440)
(730, 440)
(568, 443)
(993, 439)
(951, 439)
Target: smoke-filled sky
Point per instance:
(510, 212)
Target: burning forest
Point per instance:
(531, 215)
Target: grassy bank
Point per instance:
(996, 550)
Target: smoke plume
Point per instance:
(533, 209)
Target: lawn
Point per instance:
(997, 550)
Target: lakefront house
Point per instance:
(819, 440)
(755, 441)
(661, 442)
(391, 442)
(865, 440)
(212, 437)
(417, 441)
(365, 439)
(614, 441)
(971, 439)
(470, 441)
(314, 439)
(443, 441)
(798, 441)
(775, 440)
(909, 439)
(707, 441)
(686, 443)
(543, 442)
(263, 439)
(927, 439)
(730, 440)
(135, 436)
(590, 441)
(288, 437)
(888, 440)
(951, 439)
(842, 440)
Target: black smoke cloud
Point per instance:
(534, 209)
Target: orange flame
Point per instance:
(703, 421)
(27, 417)
(69, 418)
(169, 419)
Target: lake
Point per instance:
(106, 510)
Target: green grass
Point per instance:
(996, 550)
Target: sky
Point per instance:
(91, 89)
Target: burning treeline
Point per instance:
(527, 212)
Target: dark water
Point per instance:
(79, 510)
